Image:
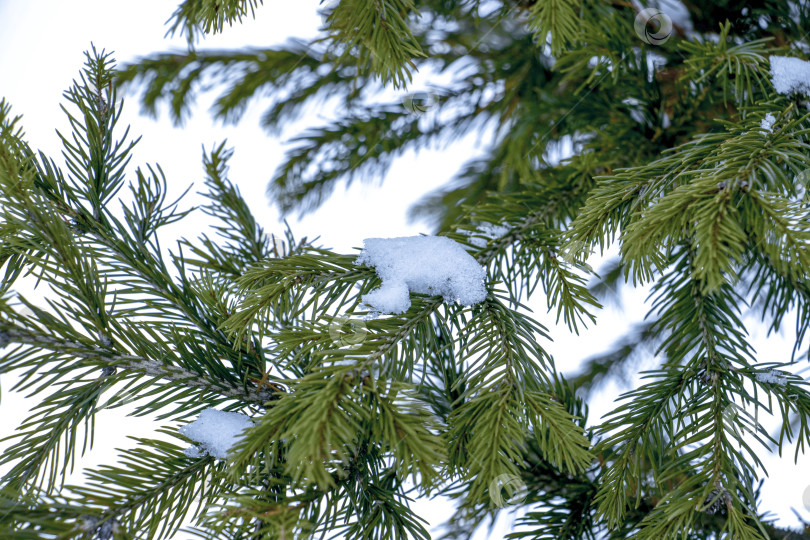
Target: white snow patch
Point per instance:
(655, 61)
(767, 122)
(434, 265)
(489, 231)
(678, 12)
(216, 431)
(790, 75)
(773, 376)
(194, 451)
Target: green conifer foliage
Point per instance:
(612, 125)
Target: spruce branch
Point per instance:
(380, 32)
(555, 17)
(684, 150)
(134, 494)
(152, 367)
(46, 443)
(209, 16)
(177, 77)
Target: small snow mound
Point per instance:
(434, 265)
(489, 231)
(216, 431)
(767, 122)
(772, 377)
(790, 75)
(392, 297)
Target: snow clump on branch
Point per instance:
(433, 265)
(216, 431)
(773, 377)
(790, 75)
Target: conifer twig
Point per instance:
(151, 367)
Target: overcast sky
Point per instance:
(41, 51)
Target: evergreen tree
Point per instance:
(686, 141)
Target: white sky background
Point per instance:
(41, 51)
